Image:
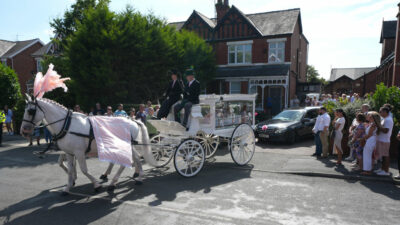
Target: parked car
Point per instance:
(288, 126)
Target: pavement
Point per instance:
(268, 191)
(296, 159)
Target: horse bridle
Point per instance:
(32, 113)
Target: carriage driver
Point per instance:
(190, 96)
(172, 94)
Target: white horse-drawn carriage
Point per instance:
(218, 118)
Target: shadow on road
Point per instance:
(304, 143)
(158, 184)
(24, 157)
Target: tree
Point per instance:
(314, 76)
(64, 27)
(125, 57)
(194, 51)
(10, 90)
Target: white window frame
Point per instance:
(39, 65)
(235, 92)
(237, 45)
(275, 51)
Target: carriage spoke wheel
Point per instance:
(209, 142)
(242, 144)
(161, 151)
(189, 158)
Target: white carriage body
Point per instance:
(216, 118)
(215, 114)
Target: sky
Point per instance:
(342, 33)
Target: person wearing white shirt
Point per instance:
(338, 125)
(383, 140)
(324, 127)
(317, 139)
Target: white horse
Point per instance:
(76, 146)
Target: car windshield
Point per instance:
(289, 115)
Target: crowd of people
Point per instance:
(315, 101)
(369, 136)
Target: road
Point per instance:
(221, 194)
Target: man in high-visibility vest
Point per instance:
(2, 120)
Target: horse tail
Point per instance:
(144, 137)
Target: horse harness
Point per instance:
(65, 128)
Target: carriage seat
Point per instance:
(196, 112)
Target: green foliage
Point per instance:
(62, 67)
(192, 50)
(314, 76)
(10, 91)
(125, 57)
(350, 108)
(385, 95)
(64, 27)
(19, 110)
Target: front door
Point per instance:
(275, 93)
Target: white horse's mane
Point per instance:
(49, 101)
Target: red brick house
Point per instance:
(18, 56)
(264, 53)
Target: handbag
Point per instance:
(333, 133)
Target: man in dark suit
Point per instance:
(172, 94)
(190, 96)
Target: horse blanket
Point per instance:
(113, 139)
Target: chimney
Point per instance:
(396, 67)
(222, 8)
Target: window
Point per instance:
(276, 52)
(39, 65)
(312, 114)
(235, 87)
(239, 54)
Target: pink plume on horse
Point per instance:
(50, 81)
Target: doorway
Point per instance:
(275, 93)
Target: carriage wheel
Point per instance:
(162, 152)
(242, 144)
(209, 142)
(189, 158)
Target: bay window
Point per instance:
(276, 52)
(239, 53)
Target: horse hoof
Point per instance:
(64, 193)
(104, 178)
(111, 189)
(135, 175)
(96, 190)
(137, 182)
(73, 184)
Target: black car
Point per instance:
(288, 126)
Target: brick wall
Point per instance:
(244, 89)
(370, 81)
(303, 59)
(25, 65)
(387, 47)
(260, 51)
(221, 52)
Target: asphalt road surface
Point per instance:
(221, 194)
